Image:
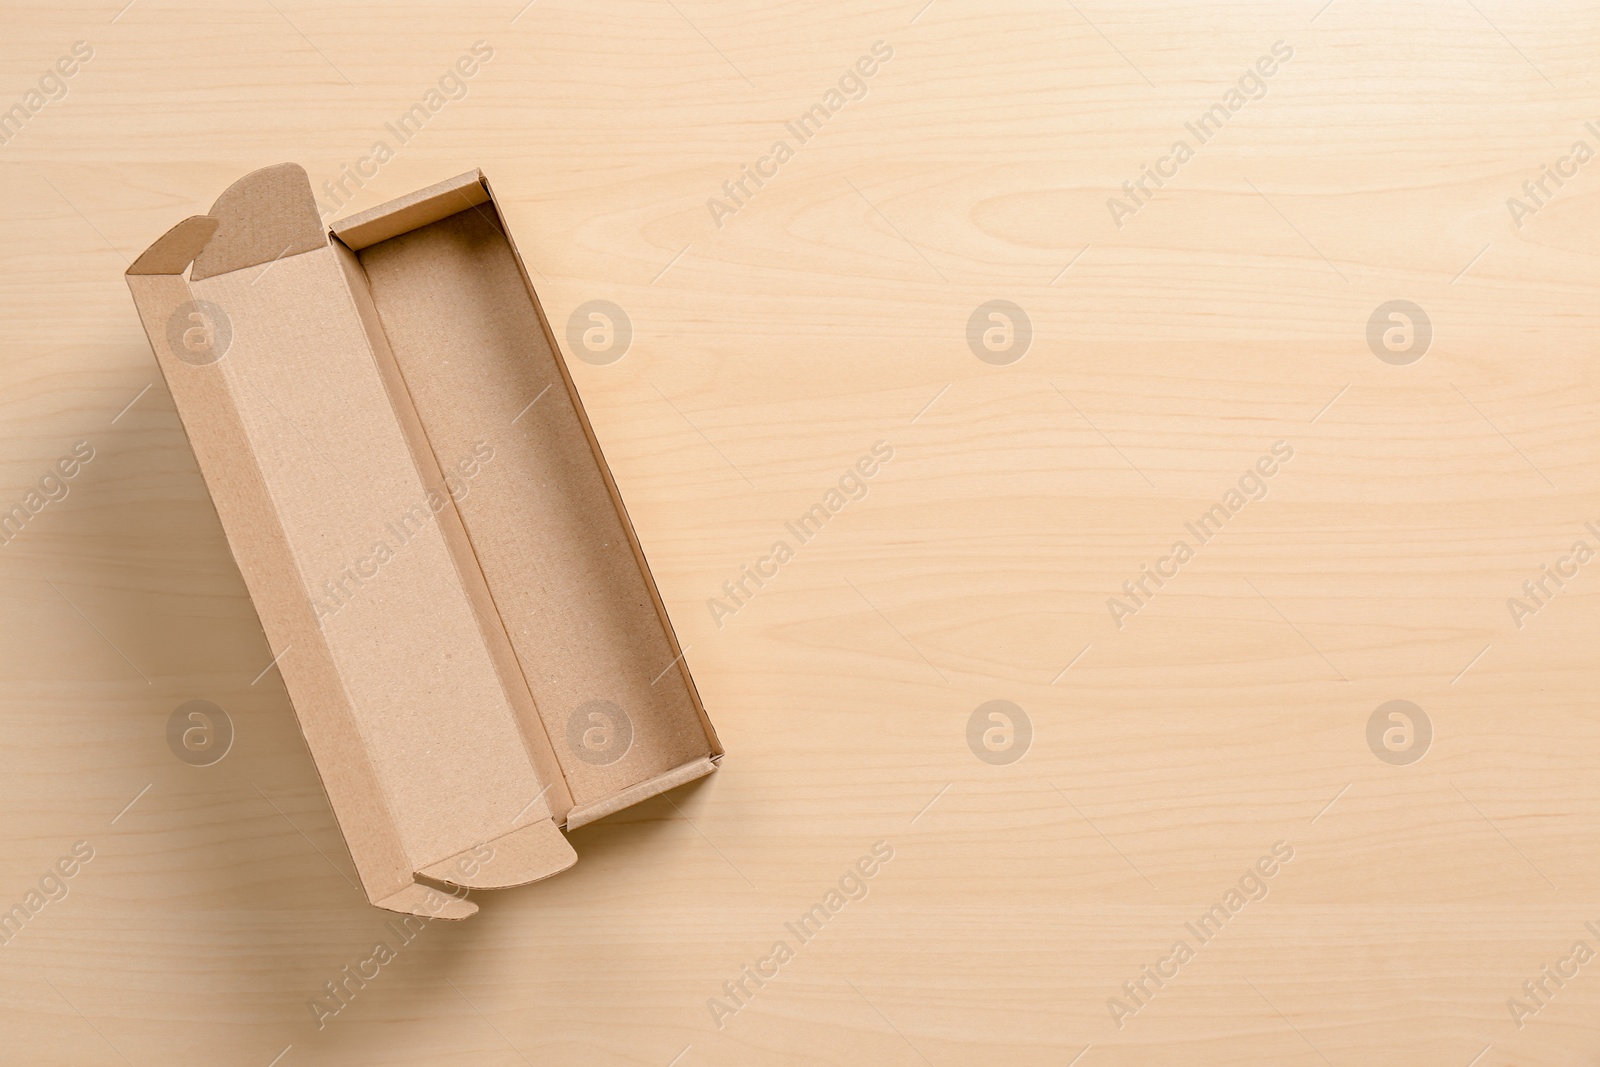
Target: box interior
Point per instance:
(559, 558)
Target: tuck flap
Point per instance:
(527, 854)
(430, 903)
(174, 250)
(261, 218)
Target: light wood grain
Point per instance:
(827, 314)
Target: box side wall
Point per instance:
(554, 348)
(561, 564)
(361, 525)
(260, 548)
(553, 799)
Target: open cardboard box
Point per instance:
(462, 614)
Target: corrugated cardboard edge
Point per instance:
(643, 791)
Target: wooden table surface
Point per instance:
(1206, 758)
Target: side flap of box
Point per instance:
(184, 334)
(411, 212)
(174, 250)
(632, 795)
(527, 854)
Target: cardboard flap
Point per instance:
(412, 212)
(176, 249)
(527, 854)
(216, 431)
(262, 217)
(696, 768)
(418, 899)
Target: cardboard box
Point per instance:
(476, 651)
